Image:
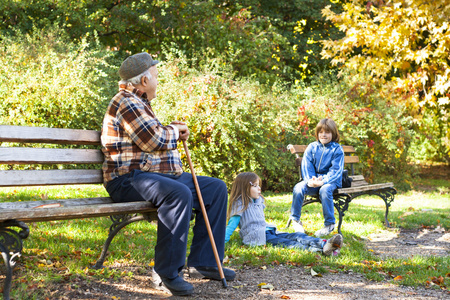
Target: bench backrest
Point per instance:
(25, 154)
(349, 158)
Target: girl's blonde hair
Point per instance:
(328, 125)
(241, 189)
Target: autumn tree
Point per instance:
(404, 44)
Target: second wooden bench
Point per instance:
(359, 187)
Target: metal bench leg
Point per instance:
(388, 196)
(11, 248)
(8, 278)
(341, 202)
(119, 222)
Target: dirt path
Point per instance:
(287, 282)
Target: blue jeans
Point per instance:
(294, 240)
(175, 197)
(325, 193)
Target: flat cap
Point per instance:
(136, 64)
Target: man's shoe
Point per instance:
(176, 286)
(297, 225)
(325, 231)
(211, 273)
(333, 245)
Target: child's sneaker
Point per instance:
(297, 225)
(332, 245)
(325, 231)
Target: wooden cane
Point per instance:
(205, 216)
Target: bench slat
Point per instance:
(19, 155)
(359, 183)
(76, 212)
(357, 178)
(63, 202)
(26, 134)
(49, 177)
(366, 188)
(351, 159)
(295, 149)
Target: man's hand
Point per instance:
(182, 128)
(315, 182)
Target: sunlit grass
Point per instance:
(63, 250)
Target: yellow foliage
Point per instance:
(404, 42)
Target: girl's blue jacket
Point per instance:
(326, 160)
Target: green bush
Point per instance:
(47, 80)
(226, 29)
(235, 126)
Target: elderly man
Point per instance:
(142, 164)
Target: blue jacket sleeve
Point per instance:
(308, 169)
(334, 174)
(231, 227)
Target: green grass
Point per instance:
(64, 250)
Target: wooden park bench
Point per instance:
(18, 147)
(359, 186)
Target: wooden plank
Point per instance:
(357, 177)
(366, 188)
(297, 148)
(49, 177)
(19, 155)
(300, 149)
(351, 159)
(26, 134)
(359, 183)
(22, 205)
(358, 180)
(76, 212)
(348, 149)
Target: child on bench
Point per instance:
(322, 167)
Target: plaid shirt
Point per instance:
(133, 138)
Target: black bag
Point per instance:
(346, 181)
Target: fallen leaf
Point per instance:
(438, 280)
(439, 229)
(261, 284)
(314, 273)
(285, 297)
(238, 286)
(267, 287)
(399, 277)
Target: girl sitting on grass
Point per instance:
(246, 210)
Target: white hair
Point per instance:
(136, 79)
